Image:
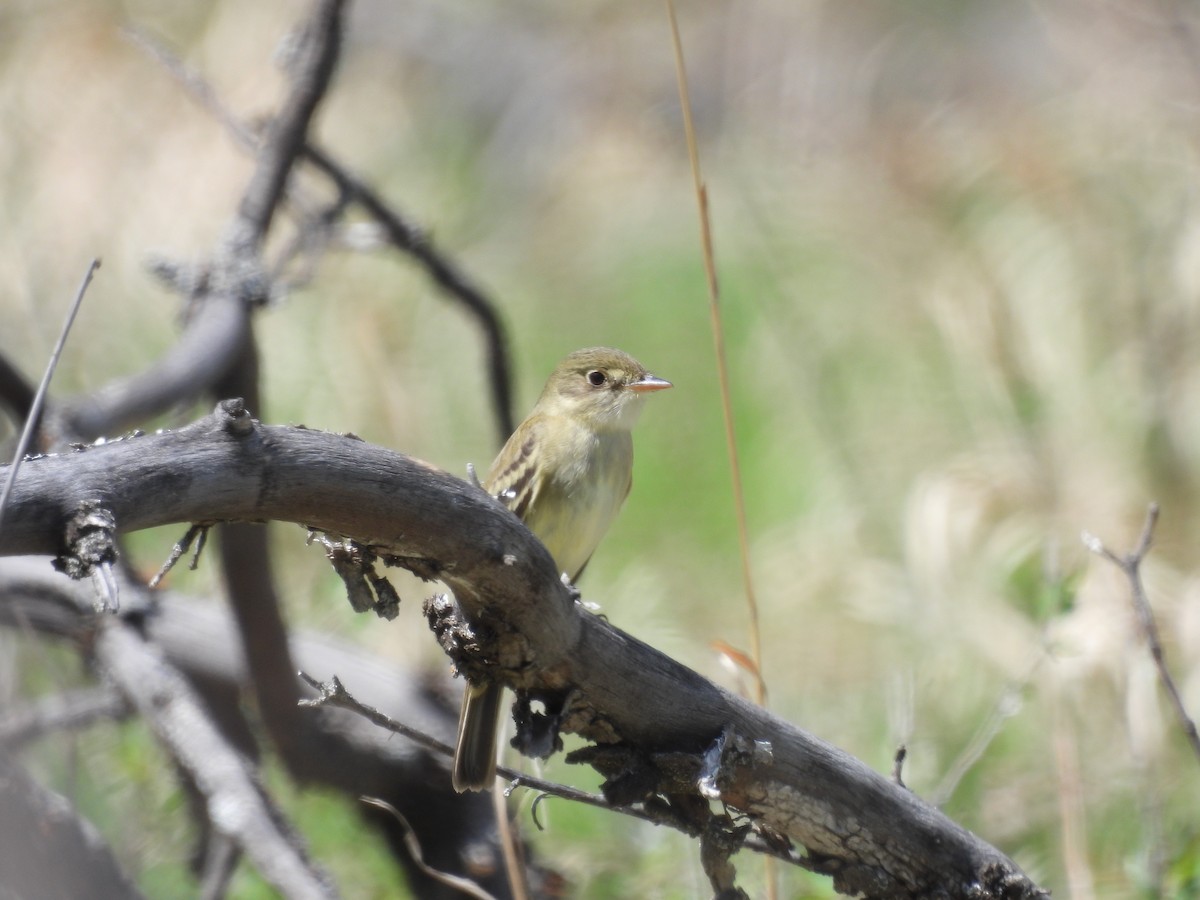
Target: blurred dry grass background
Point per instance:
(959, 245)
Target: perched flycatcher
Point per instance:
(565, 471)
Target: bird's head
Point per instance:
(604, 386)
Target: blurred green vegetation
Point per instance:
(959, 250)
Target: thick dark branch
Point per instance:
(875, 837)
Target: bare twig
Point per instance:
(198, 532)
(414, 240)
(1131, 565)
(312, 67)
(223, 292)
(238, 268)
(35, 411)
(401, 232)
(195, 84)
(334, 693)
(465, 885)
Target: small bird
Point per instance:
(565, 472)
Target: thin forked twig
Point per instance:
(334, 693)
(403, 234)
(35, 411)
(198, 532)
(413, 240)
(464, 885)
(1131, 564)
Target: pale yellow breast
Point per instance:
(576, 506)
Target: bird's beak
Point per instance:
(649, 383)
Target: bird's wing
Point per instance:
(514, 479)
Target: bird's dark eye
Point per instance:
(596, 377)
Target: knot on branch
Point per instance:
(250, 282)
(998, 882)
(233, 417)
(239, 272)
(182, 278)
(466, 643)
(479, 651)
(724, 756)
(90, 548)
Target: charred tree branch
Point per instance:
(876, 838)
